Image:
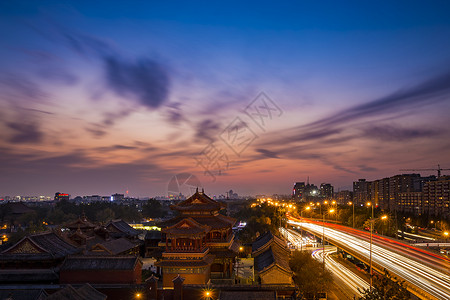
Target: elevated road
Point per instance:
(349, 283)
(427, 274)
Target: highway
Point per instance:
(343, 274)
(410, 264)
(345, 277)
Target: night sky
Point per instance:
(99, 97)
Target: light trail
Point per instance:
(353, 281)
(344, 274)
(433, 282)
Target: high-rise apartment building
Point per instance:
(436, 200)
(326, 190)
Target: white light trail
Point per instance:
(432, 281)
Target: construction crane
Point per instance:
(439, 169)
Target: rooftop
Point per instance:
(100, 263)
(199, 201)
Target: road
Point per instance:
(425, 271)
(348, 281)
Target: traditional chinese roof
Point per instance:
(85, 292)
(153, 235)
(81, 222)
(122, 227)
(229, 252)
(272, 257)
(215, 222)
(26, 294)
(178, 279)
(265, 240)
(100, 263)
(113, 247)
(187, 227)
(45, 245)
(198, 202)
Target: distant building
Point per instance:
(411, 203)
(361, 191)
(436, 201)
(299, 188)
(400, 184)
(326, 191)
(380, 193)
(344, 197)
(117, 197)
(61, 197)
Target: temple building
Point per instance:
(35, 259)
(272, 260)
(199, 243)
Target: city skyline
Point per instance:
(109, 97)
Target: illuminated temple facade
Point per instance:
(199, 243)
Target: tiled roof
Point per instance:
(100, 263)
(49, 243)
(54, 244)
(269, 250)
(116, 246)
(28, 294)
(266, 239)
(85, 292)
(187, 226)
(82, 223)
(215, 222)
(272, 256)
(199, 201)
(153, 235)
(123, 227)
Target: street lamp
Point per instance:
(446, 234)
(301, 231)
(323, 235)
(208, 294)
(335, 203)
(353, 204)
(382, 225)
(370, 249)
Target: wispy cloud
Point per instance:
(391, 133)
(143, 79)
(25, 133)
(429, 91)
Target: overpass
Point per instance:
(426, 274)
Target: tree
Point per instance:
(386, 287)
(152, 209)
(105, 215)
(309, 274)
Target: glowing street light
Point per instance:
(353, 204)
(323, 235)
(207, 294)
(370, 250)
(301, 231)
